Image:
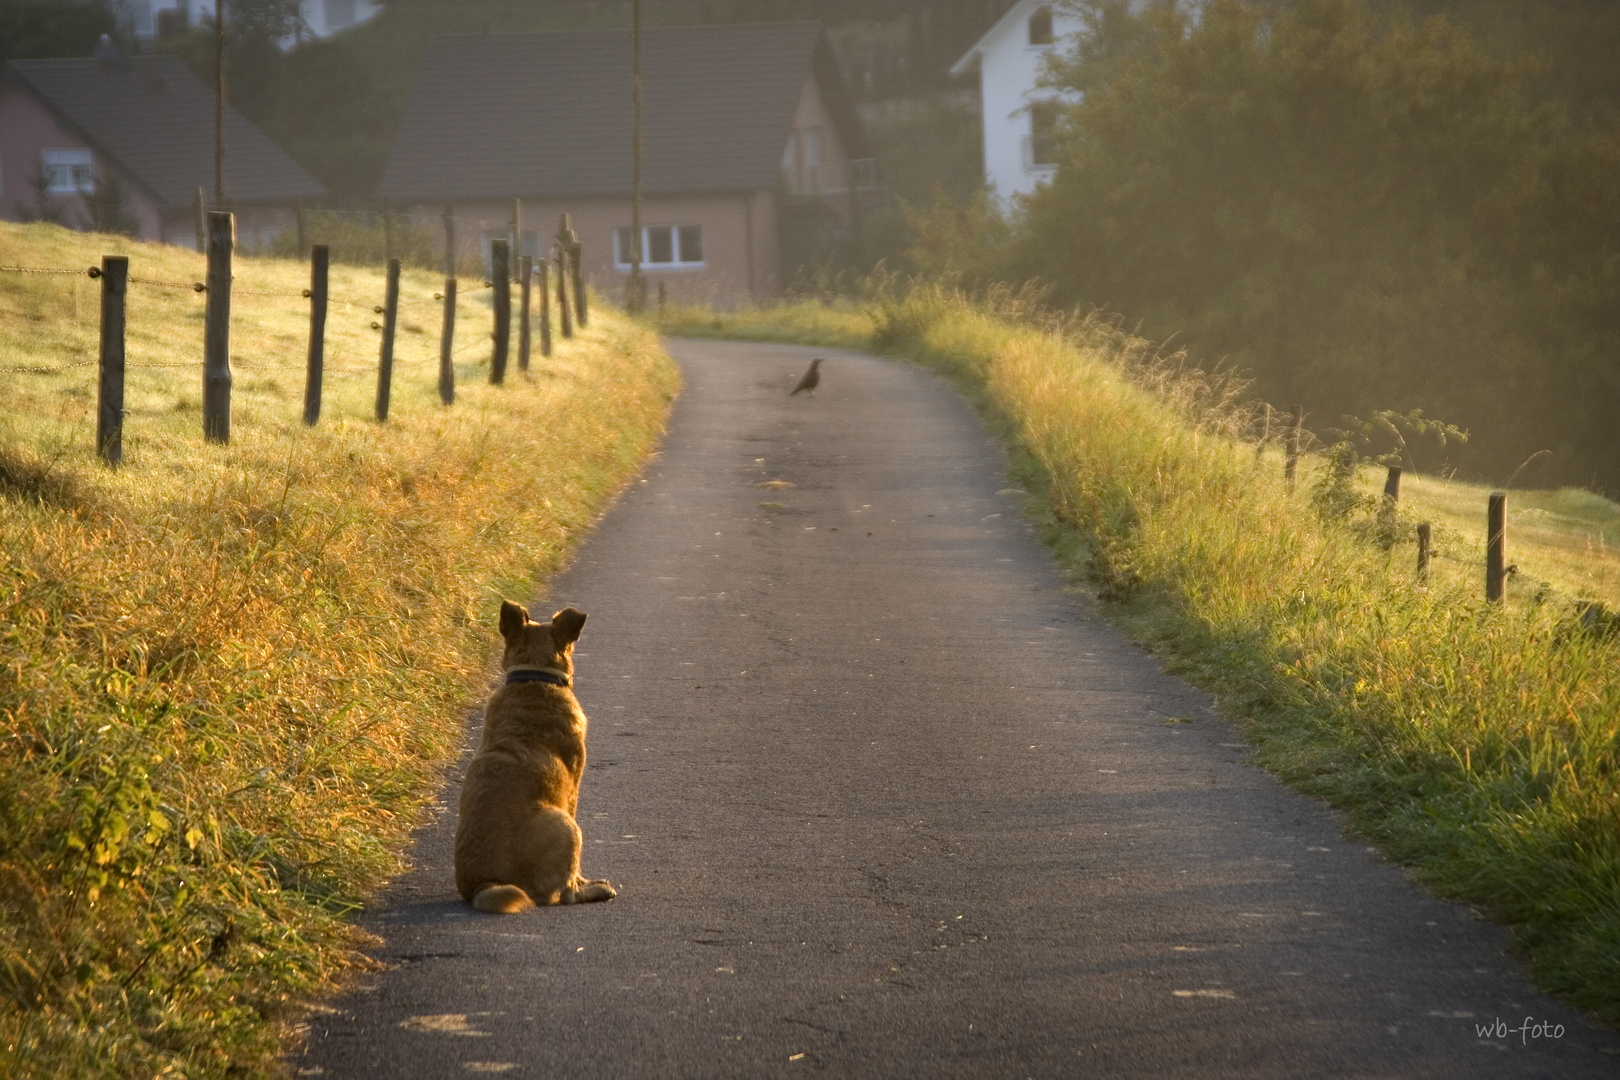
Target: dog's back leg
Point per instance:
(553, 877)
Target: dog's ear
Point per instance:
(566, 625)
(513, 616)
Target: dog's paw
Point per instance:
(588, 892)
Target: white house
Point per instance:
(1019, 115)
(148, 19)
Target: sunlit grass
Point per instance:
(823, 324)
(231, 675)
(1477, 742)
(1567, 538)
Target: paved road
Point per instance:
(882, 800)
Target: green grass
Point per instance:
(231, 676)
(1477, 743)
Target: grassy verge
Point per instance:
(230, 676)
(1479, 744)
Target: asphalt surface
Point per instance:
(882, 799)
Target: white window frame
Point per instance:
(621, 258)
(80, 174)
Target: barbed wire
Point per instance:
(35, 369)
(91, 272)
(194, 286)
(302, 294)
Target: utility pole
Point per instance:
(635, 289)
(219, 103)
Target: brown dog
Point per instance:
(517, 844)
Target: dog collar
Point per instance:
(537, 674)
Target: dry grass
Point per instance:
(1567, 538)
(230, 675)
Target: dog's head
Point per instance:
(540, 644)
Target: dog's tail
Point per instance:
(502, 899)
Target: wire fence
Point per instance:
(368, 308)
(220, 286)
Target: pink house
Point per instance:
(123, 144)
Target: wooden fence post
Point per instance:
(217, 332)
(501, 278)
(1423, 552)
(200, 204)
(385, 362)
(568, 241)
(543, 288)
(320, 257)
(447, 369)
(388, 229)
(1386, 507)
(526, 276)
(1291, 464)
(1495, 546)
(566, 326)
(516, 227)
(576, 261)
(110, 406)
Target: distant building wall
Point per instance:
(1010, 71)
(739, 263)
(1017, 114)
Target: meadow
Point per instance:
(1476, 743)
(231, 676)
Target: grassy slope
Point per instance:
(1478, 745)
(230, 675)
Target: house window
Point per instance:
(1043, 116)
(67, 171)
(663, 247)
(660, 244)
(691, 241)
(1040, 26)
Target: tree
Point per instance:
(45, 29)
(1356, 209)
(110, 211)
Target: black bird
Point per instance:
(811, 378)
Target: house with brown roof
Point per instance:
(74, 132)
(737, 121)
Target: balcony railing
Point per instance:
(832, 177)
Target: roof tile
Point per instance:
(501, 115)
